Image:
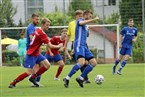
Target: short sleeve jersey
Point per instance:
(55, 40)
(30, 30)
(128, 34)
(71, 30)
(39, 37)
(81, 33)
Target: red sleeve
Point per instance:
(44, 38)
(53, 39)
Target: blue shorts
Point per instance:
(54, 58)
(126, 51)
(83, 51)
(30, 61)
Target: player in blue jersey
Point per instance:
(128, 35)
(29, 35)
(82, 53)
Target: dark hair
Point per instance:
(34, 15)
(87, 11)
(131, 19)
(44, 20)
(78, 12)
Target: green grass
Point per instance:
(130, 84)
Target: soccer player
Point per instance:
(71, 36)
(128, 35)
(82, 53)
(21, 47)
(34, 56)
(29, 35)
(54, 55)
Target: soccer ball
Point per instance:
(99, 79)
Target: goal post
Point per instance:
(106, 30)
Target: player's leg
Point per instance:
(38, 78)
(122, 52)
(125, 58)
(28, 60)
(45, 66)
(59, 60)
(92, 63)
(86, 79)
(37, 66)
(59, 70)
(76, 67)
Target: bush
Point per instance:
(10, 58)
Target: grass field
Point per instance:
(130, 84)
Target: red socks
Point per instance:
(39, 72)
(59, 71)
(20, 78)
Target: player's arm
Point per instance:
(134, 39)
(66, 51)
(88, 21)
(54, 46)
(120, 40)
(30, 32)
(122, 33)
(31, 37)
(68, 36)
(50, 52)
(45, 40)
(66, 42)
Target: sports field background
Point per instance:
(130, 84)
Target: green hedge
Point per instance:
(11, 58)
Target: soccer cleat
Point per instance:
(80, 82)
(113, 70)
(40, 85)
(33, 81)
(66, 82)
(12, 86)
(87, 82)
(119, 73)
(57, 79)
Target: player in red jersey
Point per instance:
(54, 55)
(34, 56)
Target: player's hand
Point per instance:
(133, 40)
(51, 54)
(120, 46)
(97, 18)
(72, 52)
(60, 45)
(69, 57)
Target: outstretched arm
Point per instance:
(88, 21)
(55, 46)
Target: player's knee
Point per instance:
(61, 65)
(126, 57)
(46, 64)
(29, 71)
(93, 62)
(81, 62)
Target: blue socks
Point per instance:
(116, 62)
(74, 69)
(122, 65)
(88, 69)
(37, 79)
